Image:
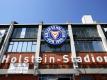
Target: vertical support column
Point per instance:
(6, 41)
(103, 38)
(73, 51)
(37, 49)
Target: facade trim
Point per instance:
(37, 49)
(62, 71)
(6, 41)
(73, 51)
(103, 38)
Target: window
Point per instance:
(80, 32)
(19, 48)
(31, 33)
(65, 47)
(16, 33)
(29, 46)
(89, 46)
(22, 35)
(58, 77)
(14, 49)
(64, 79)
(86, 78)
(10, 47)
(22, 47)
(25, 32)
(87, 39)
(23, 39)
(33, 46)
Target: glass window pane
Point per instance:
(63, 47)
(10, 48)
(85, 32)
(31, 33)
(49, 48)
(11, 42)
(81, 46)
(86, 78)
(29, 46)
(16, 33)
(34, 48)
(43, 47)
(57, 49)
(98, 46)
(89, 46)
(22, 35)
(34, 43)
(85, 46)
(15, 46)
(68, 48)
(19, 48)
(24, 47)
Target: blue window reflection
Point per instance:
(33, 46)
(10, 47)
(22, 47)
(15, 47)
(19, 48)
(89, 46)
(29, 46)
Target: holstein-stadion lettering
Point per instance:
(55, 35)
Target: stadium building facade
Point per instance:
(71, 51)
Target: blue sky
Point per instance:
(51, 11)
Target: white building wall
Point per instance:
(87, 19)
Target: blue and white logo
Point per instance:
(55, 35)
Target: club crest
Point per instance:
(55, 35)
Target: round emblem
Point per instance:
(55, 35)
